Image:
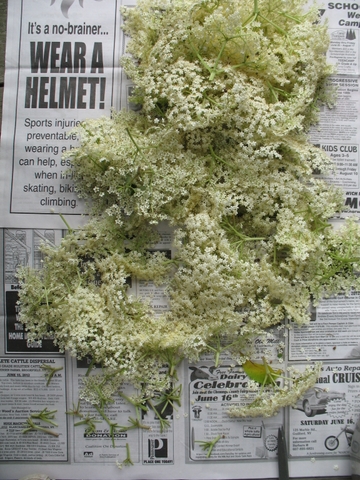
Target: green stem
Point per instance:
(32, 426)
(50, 371)
(89, 422)
(135, 403)
(46, 416)
(66, 223)
(215, 70)
(217, 351)
(90, 367)
(75, 410)
(279, 29)
(290, 17)
(253, 15)
(217, 104)
(208, 445)
(128, 460)
(138, 149)
(216, 157)
(136, 423)
(112, 425)
(163, 422)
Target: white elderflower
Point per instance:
(218, 149)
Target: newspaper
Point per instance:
(62, 66)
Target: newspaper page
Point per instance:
(62, 66)
(338, 131)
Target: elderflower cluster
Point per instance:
(225, 92)
(269, 403)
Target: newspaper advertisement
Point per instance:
(23, 394)
(60, 73)
(338, 134)
(62, 66)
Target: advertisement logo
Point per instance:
(66, 4)
(158, 448)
